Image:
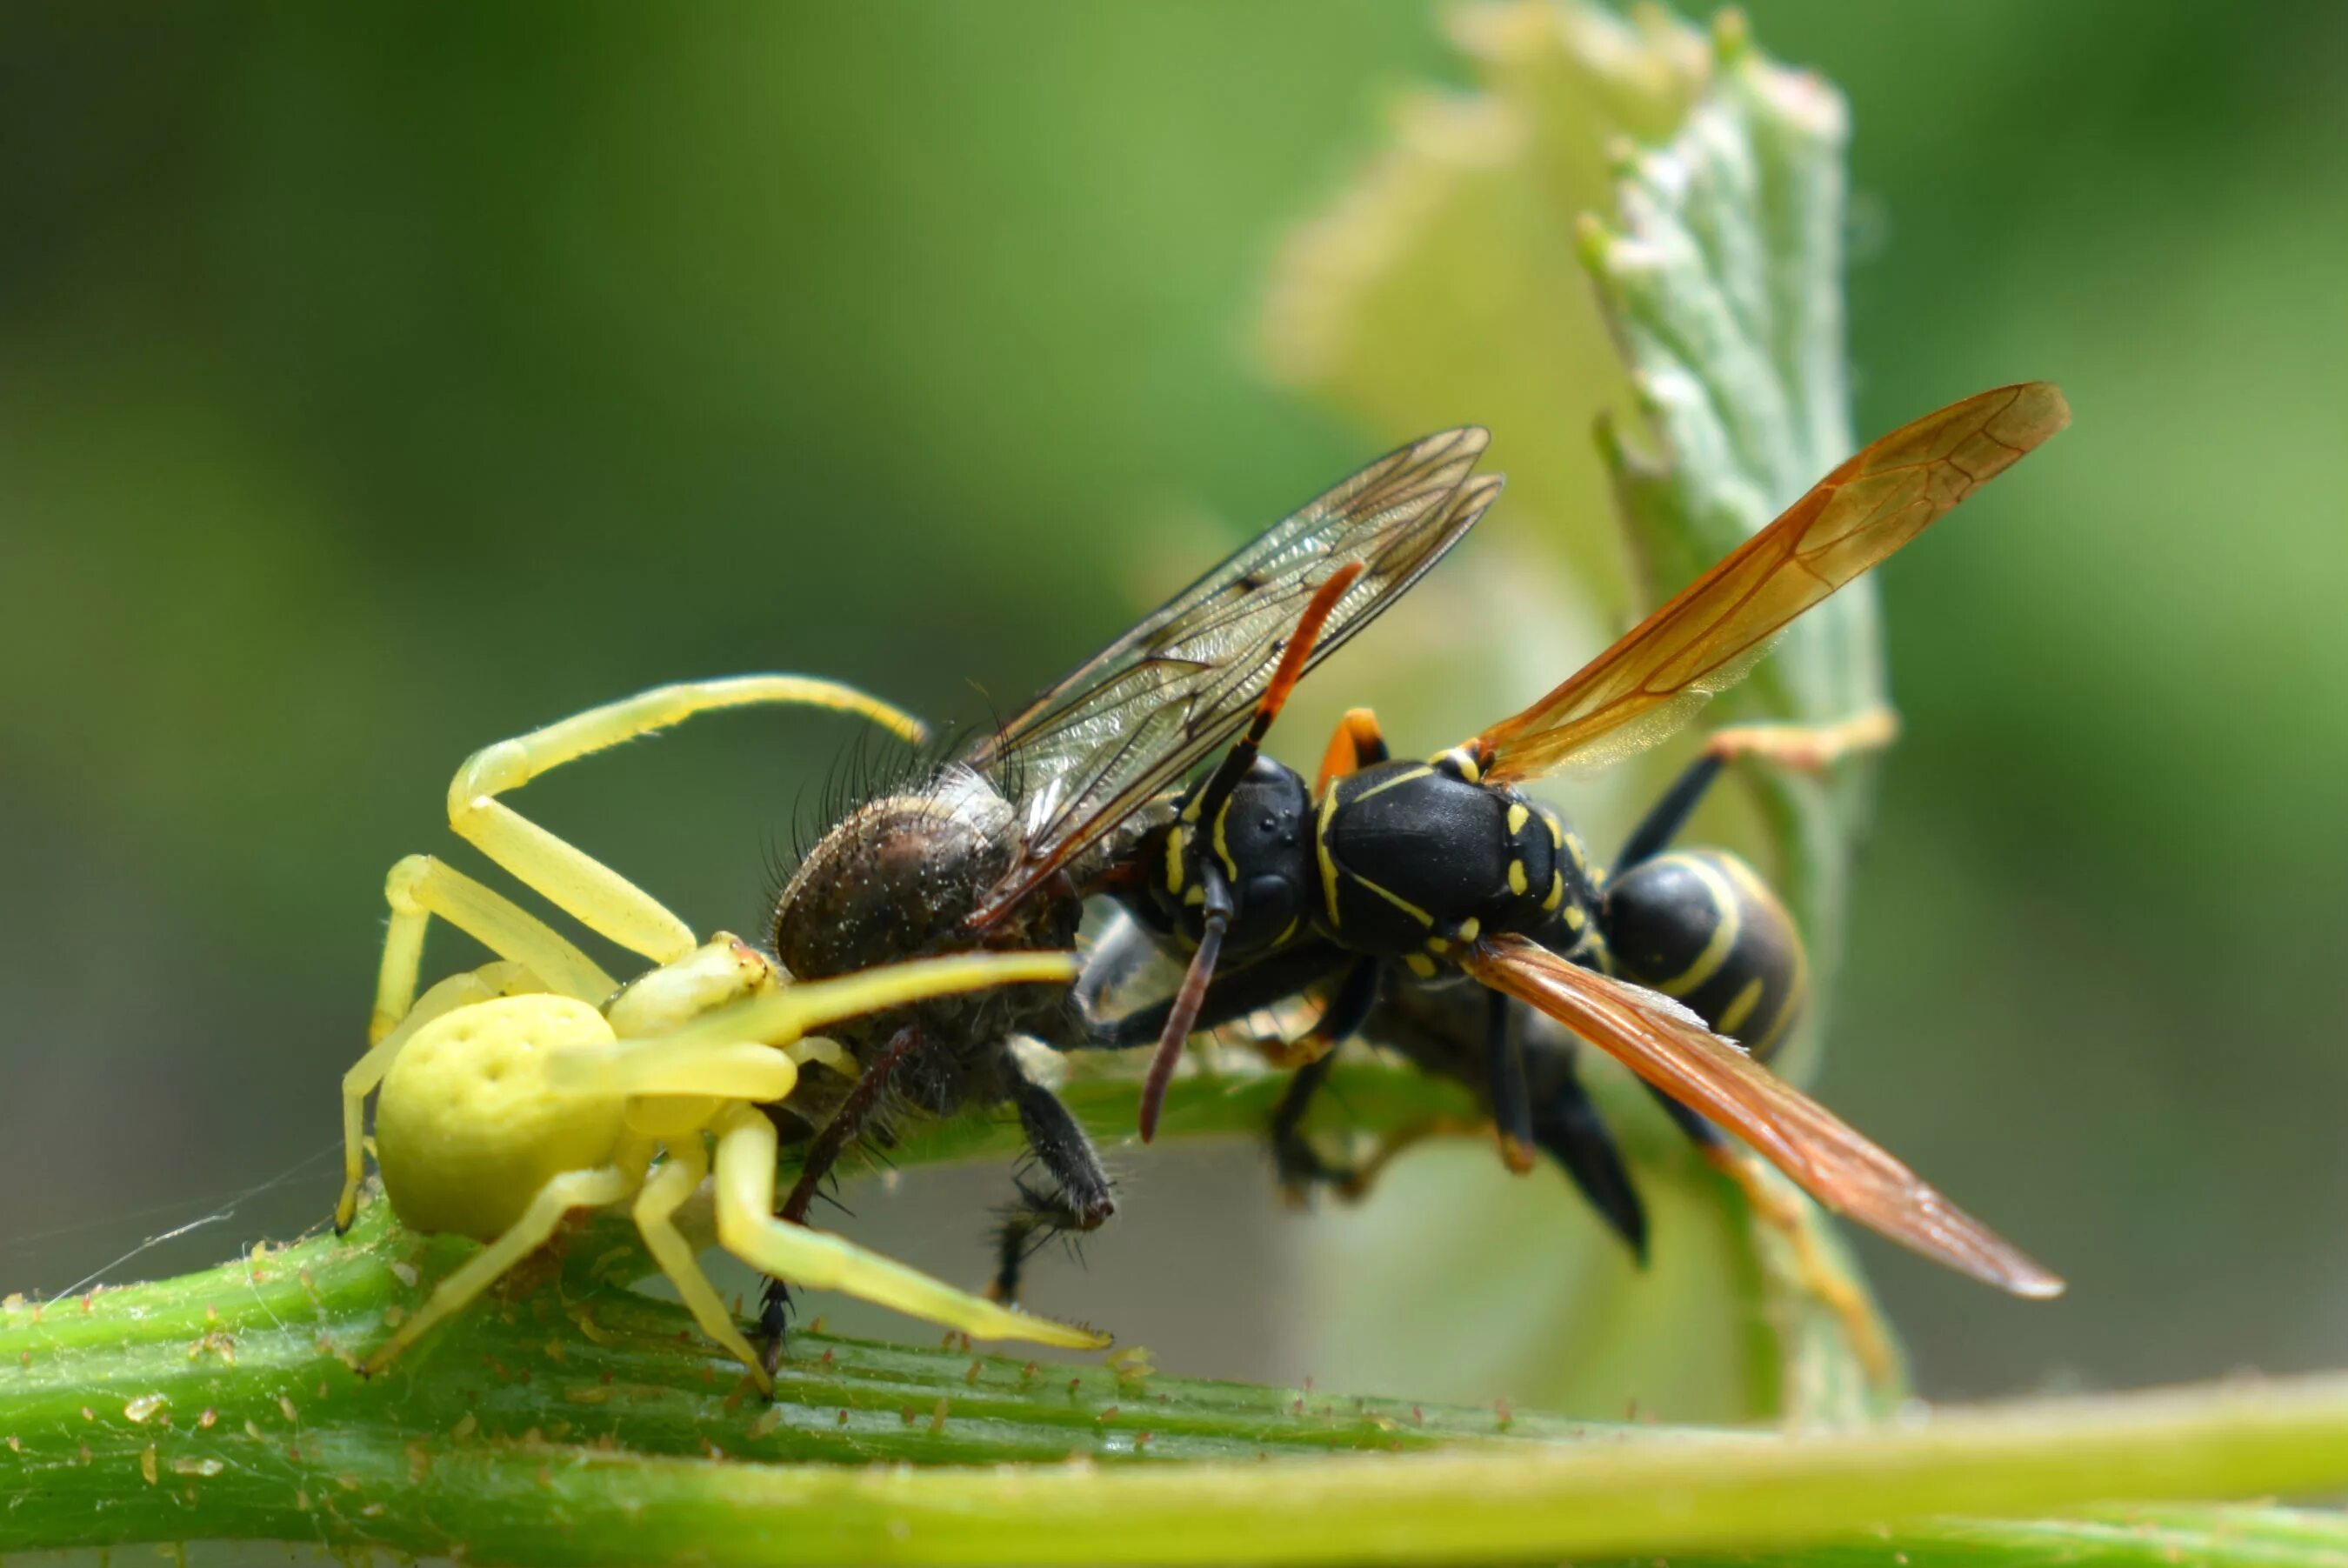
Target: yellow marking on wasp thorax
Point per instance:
(1556, 894)
(1471, 929)
(1224, 848)
(1518, 881)
(1408, 776)
(1580, 856)
(1287, 930)
(1574, 919)
(1728, 921)
(1437, 945)
(1463, 761)
(1174, 841)
(1195, 896)
(1420, 964)
(1394, 899)
(1191, 808)
(1741, 1009)
(1321, 853)
(1519, 815)
(1556, 830)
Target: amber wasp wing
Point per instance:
(1704, 640)
(1669, 1046)
(1129, 722)
(1711, 634)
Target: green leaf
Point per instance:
(1724, 275)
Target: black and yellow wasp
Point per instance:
(1432, 901)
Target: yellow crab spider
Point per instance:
(533, 1086)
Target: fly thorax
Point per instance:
(897, 879)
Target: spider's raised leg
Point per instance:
(574, 881)
(747, 1227)
(571, 1190)
(420, 887)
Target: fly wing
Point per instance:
(1670, 1046)
(1140, 714)
(1712, 632)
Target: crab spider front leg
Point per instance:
(748, 1228)
(573, 881)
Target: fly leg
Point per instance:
(1079, 1197)
(846, 1126)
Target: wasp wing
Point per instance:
(1670, 1046)
(1138, 715)
(1713, 631)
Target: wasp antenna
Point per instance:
(1186, 1003)
(1218, 908)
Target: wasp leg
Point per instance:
(1826, 1280)
(1806, 747)
(1504, 1059)
(574, 881)
(1234, 995)
(1358, 743)
(1340, 1020)
(1299, 1166)
(1803, 748)
(1569, 1129)
(1314, 1055)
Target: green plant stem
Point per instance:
(573, 1421)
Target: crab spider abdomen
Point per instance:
(471, 1125)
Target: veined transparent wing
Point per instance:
(1135, 718)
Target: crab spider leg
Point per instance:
(571, 1190)
(747, 1228)
(745, 1069)
(655, 1211)
(781, 1017)
(420, 887)
(573, 881)
(455, 992)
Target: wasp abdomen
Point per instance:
(1699, 926)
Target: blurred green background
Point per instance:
(380, 383)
